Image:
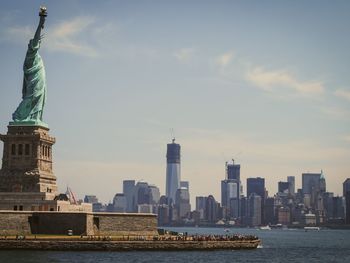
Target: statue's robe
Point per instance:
(34, 86)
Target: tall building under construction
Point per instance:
(173, 171)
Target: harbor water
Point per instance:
(278, 245)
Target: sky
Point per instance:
(265, 83)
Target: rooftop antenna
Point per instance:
(172, 135)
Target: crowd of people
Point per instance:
(177, 237)
(224, 238)
(173, 236)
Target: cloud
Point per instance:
(273, 80)
(64, 37)
(184, 54)
(225, 59)
(341, 93)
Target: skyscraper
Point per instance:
(182, 202)
(254, 209)
(128, 191)
(230, 190)
(119, 203)
(257, 186)
(172, 170)
(233, 171)
(346, 193)
(322, 183)
(200, 205)
(141, 194)
(283, 187)
(311, 186)
(310, 182)
(154, 194)
(270, 210)
(291, 181)
(230, 198)
(211, 209)
(346, 186)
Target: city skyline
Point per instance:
(250, 81)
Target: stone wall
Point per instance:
(53, 223)
(125, 224)
(14, 223)
(81, 223)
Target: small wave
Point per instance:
(260, 246)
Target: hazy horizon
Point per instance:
(264, 83)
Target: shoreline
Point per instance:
(109, 245)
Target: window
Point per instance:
(20, 149)
(26, 149)
(15, 208)
(13, 149)
(43, 150)
(21, 208)
(48, 151)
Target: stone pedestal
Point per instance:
(27, 161)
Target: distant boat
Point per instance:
(312, 228)
(265, 227)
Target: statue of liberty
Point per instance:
(30, 110)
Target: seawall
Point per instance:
(76, 245)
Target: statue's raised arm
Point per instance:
(30, 110)
(43, 15)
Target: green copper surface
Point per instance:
(34, 89)
(28, 123)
